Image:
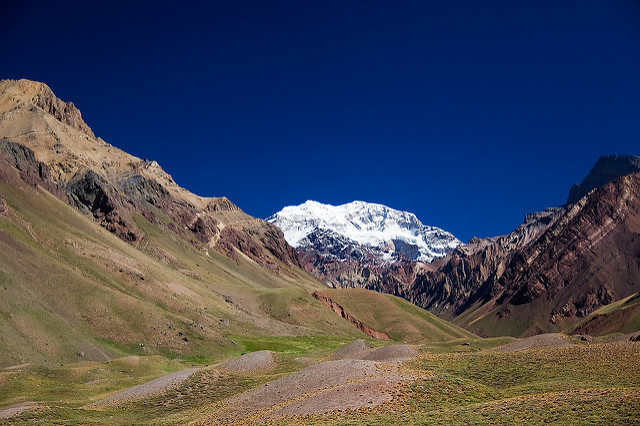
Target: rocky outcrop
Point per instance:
(326, 300)
(587, 259)
(148, 192)
(92, 194)
(273, 240)
(232, 239)
(65, 112)
(31, 171)
(606, 169)
(342, 263)
(221, 204)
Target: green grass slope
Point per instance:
(622, 316)
(71, 291)
(401, 320)
(581, 384)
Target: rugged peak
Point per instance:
(51, 145)
(607, 168)
(368, 224)
(222, 204)
(41, 95)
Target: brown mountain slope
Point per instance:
(72, 291)
(103, 255)
(113, 186)
(188, 276)
(582, 259)
(449, 284)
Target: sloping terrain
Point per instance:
(72, 291)
(103, 255)
(622, 316)
(586, 259)
(528, 380)
(113, 186)
(399, 319)
(125, 299)
(555, 269)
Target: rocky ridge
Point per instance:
(605, 170)
(47, 140)
(454, 282)
(556, 268)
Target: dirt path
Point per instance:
(358, 349)
(145, 390)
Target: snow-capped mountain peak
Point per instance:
(369, 224)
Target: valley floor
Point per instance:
(466, 381)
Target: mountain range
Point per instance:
(103, 253)
(553, 271)
(545, 276)
(127, 299)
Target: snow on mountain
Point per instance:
(368, 224)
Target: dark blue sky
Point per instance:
(468, 113)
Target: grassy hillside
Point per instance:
(72, 291)
(578, 384)
(622, 316)
(401, 320)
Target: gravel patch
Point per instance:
(391, 353)
(145, 390)
(16, 409)
(548, 340)
(352, 350)
(251, 363)
(331, 385)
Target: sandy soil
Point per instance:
(145, 390)
(551, 340)
(254, 362)
(357, 377)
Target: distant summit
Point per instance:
(361, 244)
(368, 224)
(607, 168)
